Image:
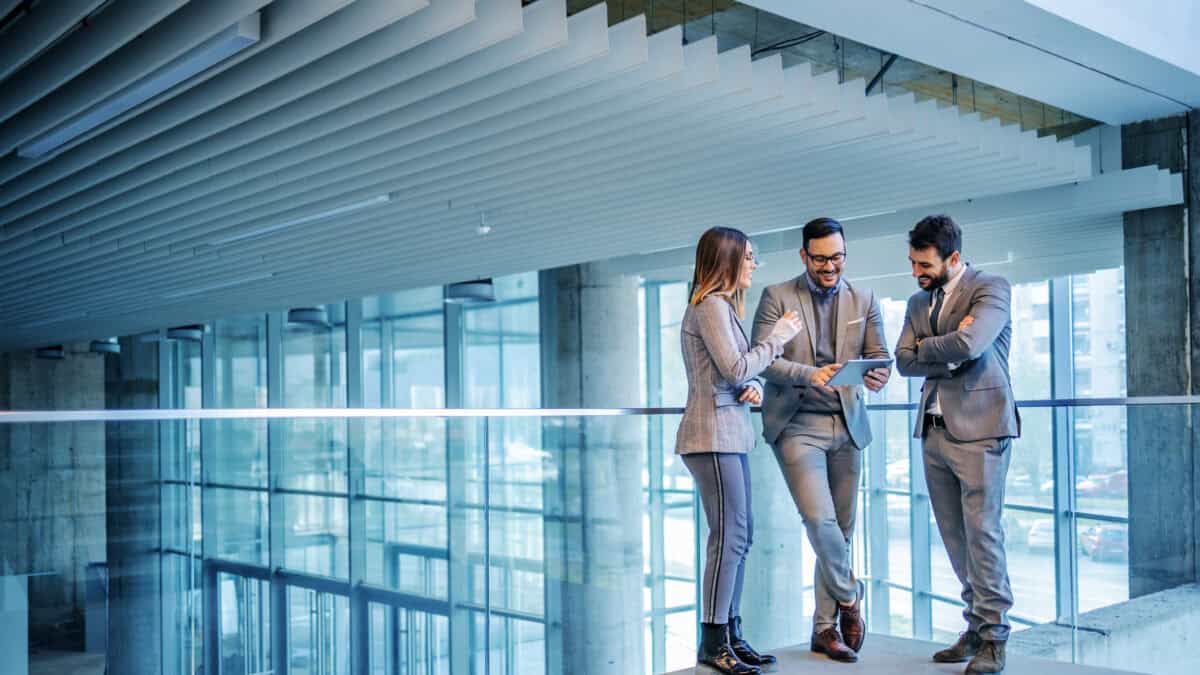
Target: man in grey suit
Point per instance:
(818, 432)
(956, 335)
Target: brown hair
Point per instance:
(719, 259)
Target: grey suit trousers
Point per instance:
(821, 465)
(723, 480)
(966, 483)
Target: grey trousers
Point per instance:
(821, 466)
(723, 480)
(966, 491)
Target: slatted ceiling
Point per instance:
(106, 31)
(170, 39)
(581, 142)
(475, 69)
(279, 20)
(39, 29)
(335, 50)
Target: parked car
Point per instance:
(1041, 536)
(1105, 542)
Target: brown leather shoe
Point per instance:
(967, 646)
(990, 659)
(850, 619)
(829, 642)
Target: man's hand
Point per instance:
(967, 321)
(824, 374)
(750, 395)
(877, 378)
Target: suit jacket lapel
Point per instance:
(957, 298)
(741, 330)
(844, 313)
(806, 311)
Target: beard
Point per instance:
(936, 282)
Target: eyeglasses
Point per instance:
(836, 258)
(751, 258)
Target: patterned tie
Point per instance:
(937, 309)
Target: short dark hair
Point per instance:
(819, 228)
(937, 231)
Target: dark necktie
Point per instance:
(937, 309)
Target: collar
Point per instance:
(820, 291)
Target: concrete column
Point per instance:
(1161, 311)
(593, 521)
(134, 519)
(52, 490)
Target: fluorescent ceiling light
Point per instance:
(218, 48)
(218, 286)
(357, 206)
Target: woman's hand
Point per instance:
(787, 326)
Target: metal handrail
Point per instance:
(167, 414)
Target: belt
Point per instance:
(934, 421)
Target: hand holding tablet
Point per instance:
(852, 372)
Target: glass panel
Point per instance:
(1029, 353)
(899, 552)
(1101, 461)
(314, 376)
(408, 641)
(503, 365)
(900, 613)
(1098, 333)
(183, 615)
(239, 525)
(318, 633)
(1103, 563)
(1031, 468)
(245, 625)
(1031, 564)
(315, 535)
(235, 451)
(407, 547)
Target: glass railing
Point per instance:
(497, 542)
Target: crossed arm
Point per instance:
(932, 356)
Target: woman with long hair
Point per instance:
(715, 433)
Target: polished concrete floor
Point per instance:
(884, 654)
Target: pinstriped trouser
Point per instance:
(724, 483)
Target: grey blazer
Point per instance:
(719, 362)
(976, 398)
(859, 335)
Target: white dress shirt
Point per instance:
(935, 408)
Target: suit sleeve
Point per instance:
(990, 308)
(906, 353)
(715, 325)
(781, 371)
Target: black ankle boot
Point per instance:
(742, 649)
(716, 653)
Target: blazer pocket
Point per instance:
(725, 398)
(856, 321)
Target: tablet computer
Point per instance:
(853, 371)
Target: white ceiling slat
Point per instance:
(167, 41)
(281, 74)
(108, 31)
(39, 29)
